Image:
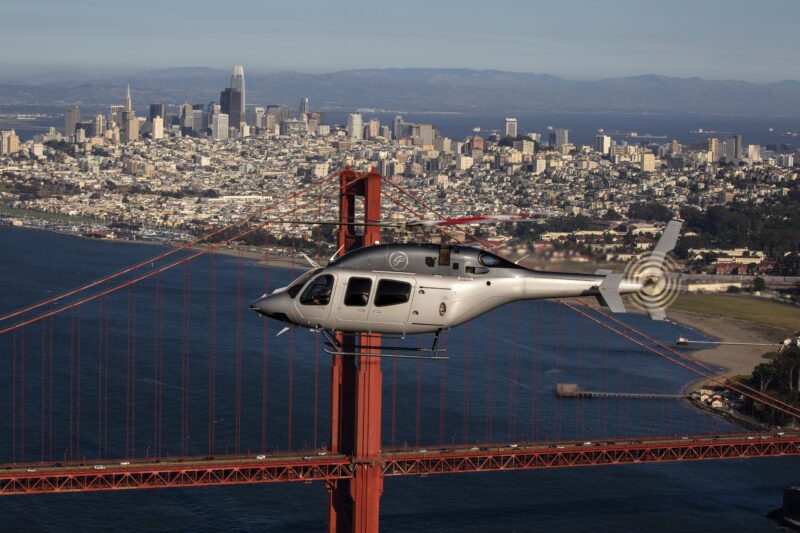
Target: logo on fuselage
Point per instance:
(398, 261)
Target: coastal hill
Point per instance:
(417, 89)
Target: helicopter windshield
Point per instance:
(491, 260)
(297, 284)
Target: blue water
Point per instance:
(509, 360)
(583, 126)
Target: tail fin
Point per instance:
(668, 240)
(608, 292)
(666, 243)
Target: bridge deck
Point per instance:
(204, 471)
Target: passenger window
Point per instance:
(430, 261)
(455, 266)
(391, 292)
(318, 291)
(357, 294)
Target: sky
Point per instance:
(575, 39)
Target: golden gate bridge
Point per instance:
(77, 424)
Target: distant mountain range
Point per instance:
(417, 89)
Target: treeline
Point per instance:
(780, 379)
(264, 237)
(558, 224)
(773, 228)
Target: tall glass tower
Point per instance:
(237, 82)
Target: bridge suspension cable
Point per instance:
(771, 402)
(171, 251)
(689, 359)
(150, 273)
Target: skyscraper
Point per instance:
(157, 110)
(713, 147)
(737, 148)
(647, 162)
(71, 117)
(510, 127)
(754, 153)
(373, 128)
(186, 117)
(115, 115)
(130, 126)
(602, 144)
(255, 116)
(219, 126)
(237, 82)
(98, 126)
(128, 100)
(355, 126)
(397, 127)
(157, 127)
(9, 142)
(559, 137)
(231, 100)
(304, 107)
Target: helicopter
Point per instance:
(417, 288)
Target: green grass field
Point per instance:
(742, 307)
(41, 215)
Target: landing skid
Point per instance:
(333, 347)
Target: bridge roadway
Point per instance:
(318, 466)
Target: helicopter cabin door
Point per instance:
(352, 304)
(391, 302)
(429, 306)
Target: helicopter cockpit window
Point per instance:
(318, 291)
(357, 294)
(295, 287)
(491, 260)
(391, 292)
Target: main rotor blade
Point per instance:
(485, 219)
(333, 223)
(459, 221)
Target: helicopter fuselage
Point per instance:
(418, 288)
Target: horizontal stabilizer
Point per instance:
(609, 293)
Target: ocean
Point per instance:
(584, 126)
(498, 385)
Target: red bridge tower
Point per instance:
(356, 382)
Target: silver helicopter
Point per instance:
(401, 289)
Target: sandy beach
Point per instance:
(736, 360)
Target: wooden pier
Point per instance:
(572, 390)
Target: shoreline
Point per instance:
(732, 360)
(278, 260)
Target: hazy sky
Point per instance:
(578, 39)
